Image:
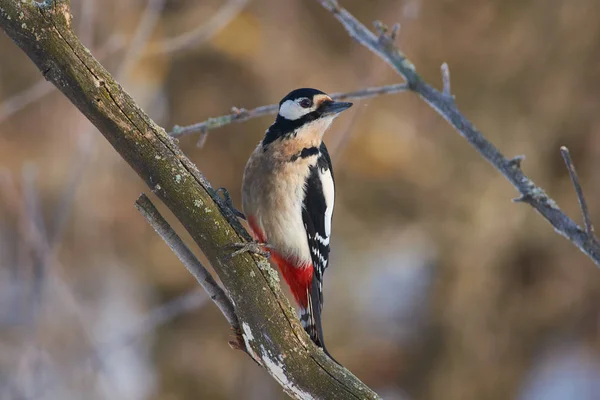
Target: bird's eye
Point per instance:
(305, 103)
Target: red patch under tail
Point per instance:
(298, 278)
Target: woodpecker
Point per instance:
(288, 195)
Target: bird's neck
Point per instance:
(297, 136)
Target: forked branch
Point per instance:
(383, 45)
(587, 220)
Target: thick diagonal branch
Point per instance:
(270, 329)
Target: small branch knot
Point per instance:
(202, 139)
(395, 31)
(238, 111)
(524, 198)
(386, 37)
(515, 162)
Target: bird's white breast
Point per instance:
(273, 191)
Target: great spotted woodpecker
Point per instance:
(288, 194)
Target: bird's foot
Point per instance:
(229, 203)
(261, 249)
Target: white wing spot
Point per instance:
(324, 240)
(329, 193)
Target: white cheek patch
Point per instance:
(292, 110)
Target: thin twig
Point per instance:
(446, 79)
(115, 43)
(142, 33)
(86, 22)
(337, 144)
(86, 141)
(42, 88)
(37, 228)
(47, 269)
(589, 227)
(201, 33)
(62, 211)
(204, 278)
(156, 317)
(383, 45)
(242, 115)
(22, 99)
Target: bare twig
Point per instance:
(136, 50)
(156, 317)
(589, 227)
(384, 46)
(61, 213)
(201, 33)
(42, 88)
(204, 278)
(45, 259)
(446, 79)
(143, 31)
(113, 44)
(242, 115)
(337, 144)
(395, 31)
(37, 228)
(22, 99)
(86, 24)
(160, 315)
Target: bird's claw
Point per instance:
(229, 203)
(250, 247)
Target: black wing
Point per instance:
(316, 214)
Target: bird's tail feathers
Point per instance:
(310, 317)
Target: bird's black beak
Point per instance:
(333, 107)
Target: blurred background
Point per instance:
(439, 286)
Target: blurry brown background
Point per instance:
(439, 286)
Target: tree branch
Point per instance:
(200, 33)
(185, 255)
(446, 80)
(271, 331)
(243, 115)
(383, 46)
(587, 220)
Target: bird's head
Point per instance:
(307, 105)
(304, 113)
